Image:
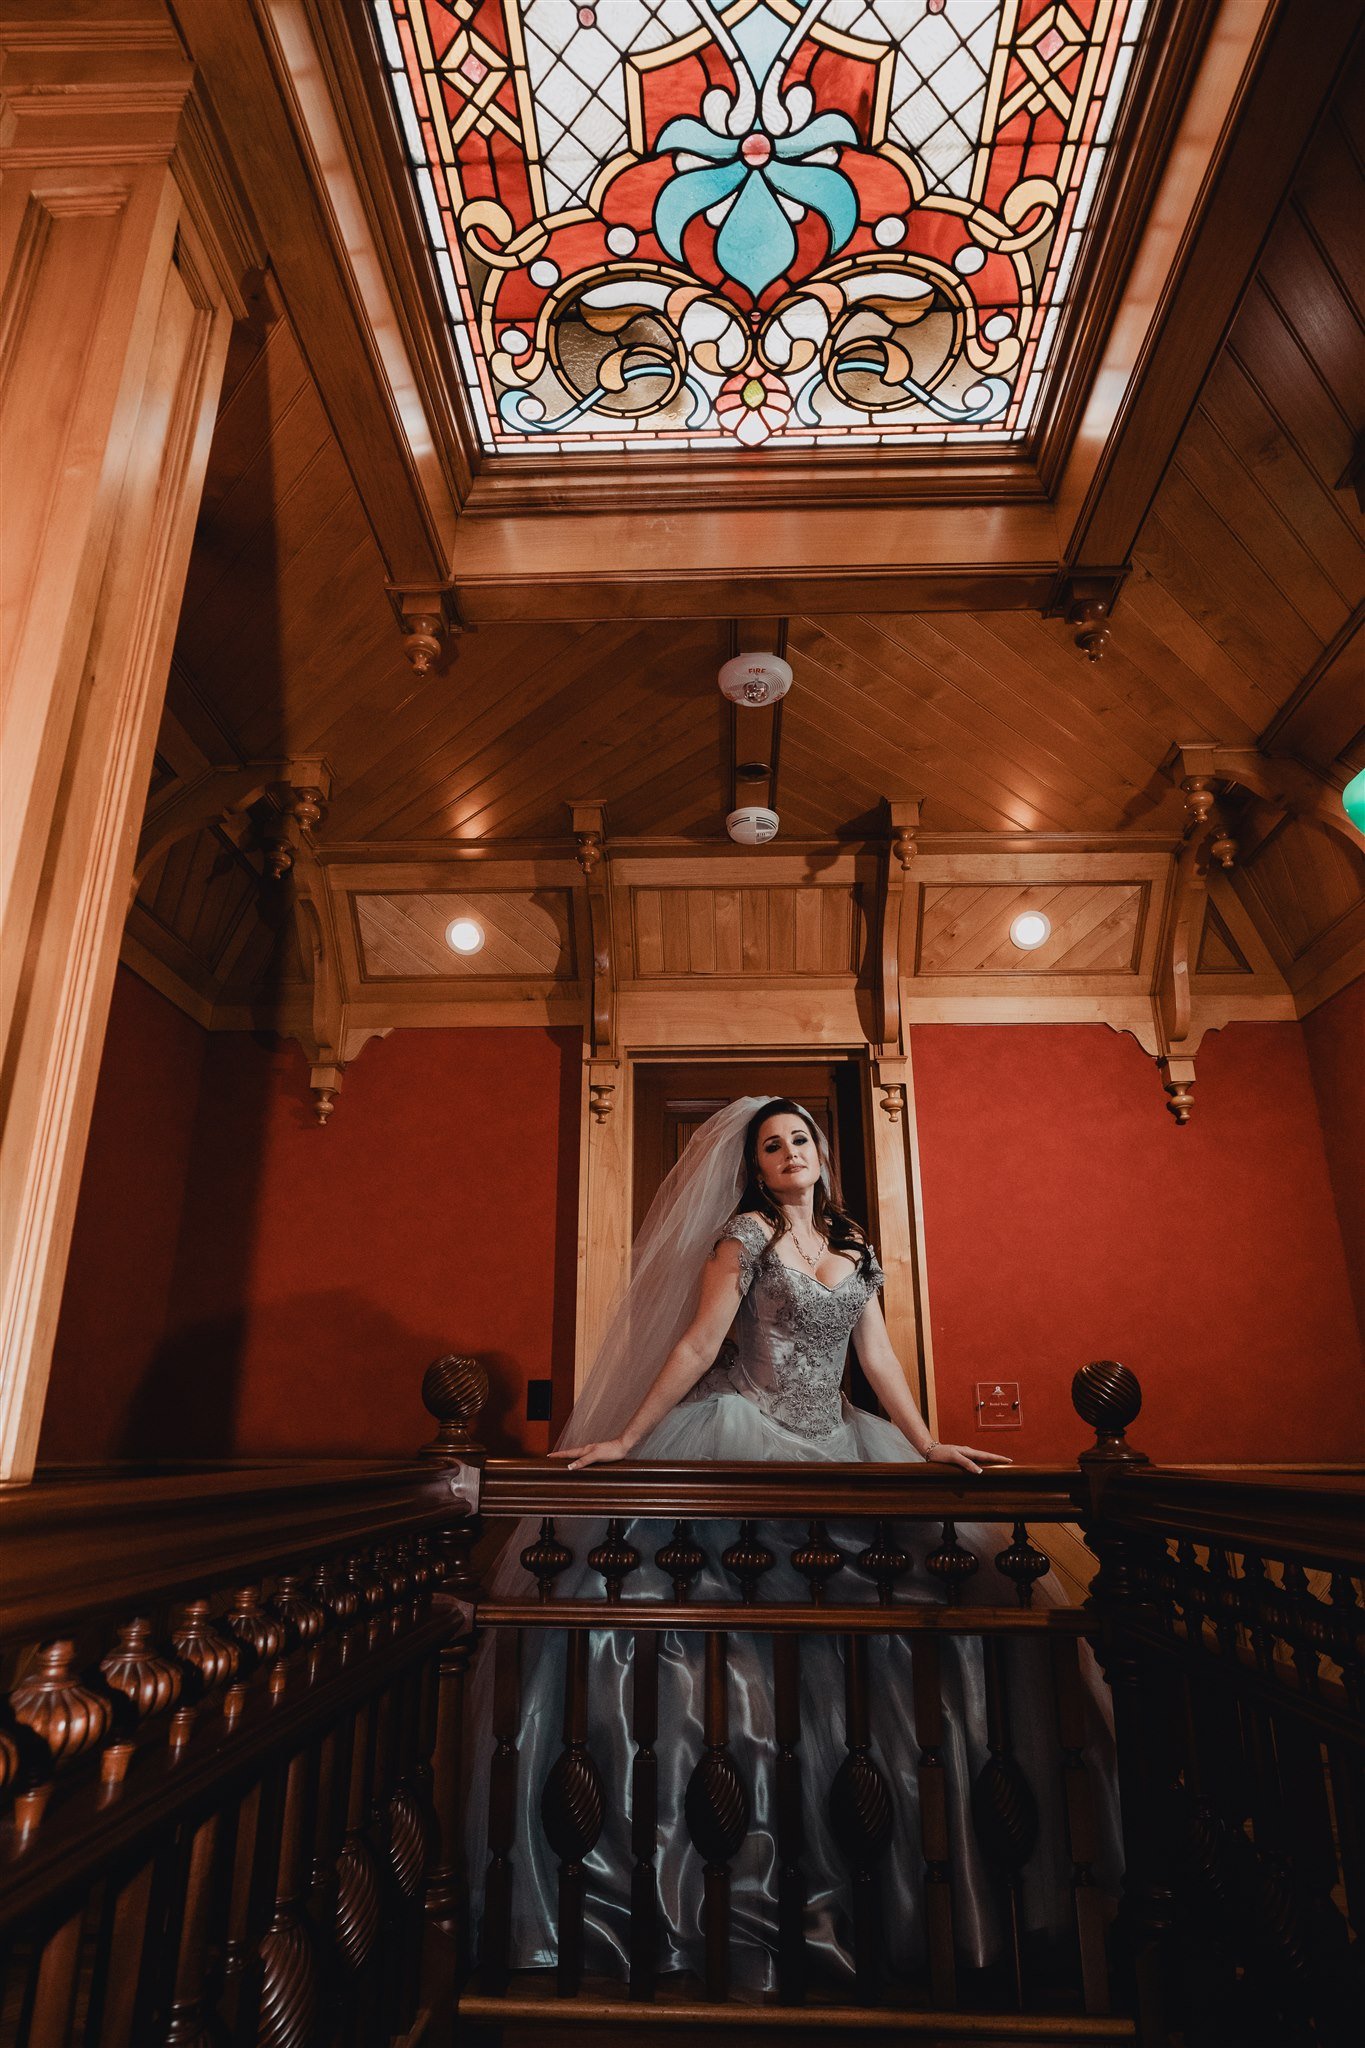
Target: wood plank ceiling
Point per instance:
(1239, 624)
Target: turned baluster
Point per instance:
(716, 1808)
(371, 1591)
(644, 1816)
(213, 1658)
(1022, 1563)
(62, 1714)
(1222, 1600)
(951, 1565)
(1004, 1810)
(290, 1979)
(572, 1812)
(884, 1561)
(746, 1560)
(502, 1812)
(1310, 1626)
(615, 1559)
(447, 1899)
(546, 1558)
(817, 1560)
(358, 1884)
(260, 1640)
(1082, 1838)
(189, 2024)
(302, 1616)
(1254, 1585)
(860, 1818)
(147, 1684)
(791, 1877)
(682, 1560)
(927, 1680)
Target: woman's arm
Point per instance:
(884, 1374)
(694, 1352)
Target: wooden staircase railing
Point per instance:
(231, 1800)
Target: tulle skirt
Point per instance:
(730, 1426)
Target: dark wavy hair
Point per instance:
(832, 1219)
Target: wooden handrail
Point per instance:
(73, 1549)
(1316, 1518)
(715, 1490)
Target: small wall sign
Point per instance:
(997, 1405)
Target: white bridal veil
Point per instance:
(660, 1296)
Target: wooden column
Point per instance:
(120, 244)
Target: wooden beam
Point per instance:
(262, 66)
(1261, 114)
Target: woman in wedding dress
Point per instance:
(730, 1342)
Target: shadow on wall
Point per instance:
(332, 1375)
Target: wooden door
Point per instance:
(673, 1100)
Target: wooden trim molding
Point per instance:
(118, 251)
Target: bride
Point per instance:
(730, 1342)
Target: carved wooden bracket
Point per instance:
(1278, 779)
(300, 787)
(1206, 839)
(589, 829)
(894, 890)
(1086, 601)
(293, 810)
(429, 621)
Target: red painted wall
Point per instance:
(1068, 1217)
(1334, 1035)
(243, 1282)
(122, 1265)
(316, 1272)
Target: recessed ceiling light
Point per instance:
(1030, 930)
(463, 935)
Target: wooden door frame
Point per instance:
(890, 1139)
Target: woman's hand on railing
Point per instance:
(965, 1455)
(608, 1453)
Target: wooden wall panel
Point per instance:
(1096, 928)
(738, 932)
(1303, 881)
(401, 937)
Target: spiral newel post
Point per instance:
(1108, 1396)
(454, 1391)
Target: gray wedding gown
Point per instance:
(775, 1393)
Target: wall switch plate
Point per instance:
(997, 1405)
(538, 1396)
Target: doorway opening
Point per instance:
(673, 1100)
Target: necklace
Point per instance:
(813, 1263)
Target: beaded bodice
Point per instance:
(790, 1338)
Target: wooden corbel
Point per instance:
(894, 890)
(329, 1040)
(1172, 1002)
(221, 792)
(589, 830)
(1086, 600)
(292, 811)
(1277, 779)
(429, 622)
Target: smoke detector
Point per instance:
(752, 825)
(755, 679)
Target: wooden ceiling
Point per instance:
(1239, 625)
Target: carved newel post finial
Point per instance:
(1108, 1396)
(455, 1391)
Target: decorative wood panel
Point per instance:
(1219, 952)
(756, 932)
(1304, 881)
(1096, 928)
(529, 937)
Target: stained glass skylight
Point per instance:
(686, 223)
